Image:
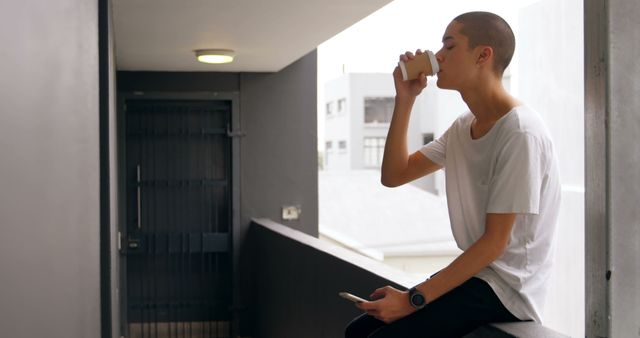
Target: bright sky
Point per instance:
(374, 44)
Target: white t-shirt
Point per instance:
(511, 169)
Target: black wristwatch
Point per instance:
(417, 299)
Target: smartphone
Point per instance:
(351, 297)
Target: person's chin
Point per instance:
(441, 83)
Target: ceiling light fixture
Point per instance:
(214, 55)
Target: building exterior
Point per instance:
(358, 111)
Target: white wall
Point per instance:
(356, 87)
(551, 81)
(49, 176)
(337, 126)
(362, 86)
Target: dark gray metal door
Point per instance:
(177, 241)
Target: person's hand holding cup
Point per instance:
(410, 76)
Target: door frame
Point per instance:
(121, 267)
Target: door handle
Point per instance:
(134, 244)
(139, 197)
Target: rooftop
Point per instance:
(360, 213)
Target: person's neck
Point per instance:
(489, 101)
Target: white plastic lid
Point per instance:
(434, 62)
(403, 69)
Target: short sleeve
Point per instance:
(436, 149)
(516, 182)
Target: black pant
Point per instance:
(454, 314)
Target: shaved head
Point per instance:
(488, 29)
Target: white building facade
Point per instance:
(358, 111)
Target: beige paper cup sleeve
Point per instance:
(425, 62)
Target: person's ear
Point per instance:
(484, 55)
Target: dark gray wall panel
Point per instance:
(278, 159)
(279, 152)
(596, 226)
(49, 176)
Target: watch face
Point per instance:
(417, 299)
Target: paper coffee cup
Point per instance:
(422, 63)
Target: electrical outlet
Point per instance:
(291, 212)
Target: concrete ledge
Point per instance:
(373, 266)
(293, 269)
(520, 330)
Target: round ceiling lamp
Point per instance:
(214, 55)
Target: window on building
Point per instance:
(373, 151)
(328, 146)
(342, 106)
(378, 110)
(330, 109)
(342, 145)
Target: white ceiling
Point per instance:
(267, 35)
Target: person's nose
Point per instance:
(440, 56)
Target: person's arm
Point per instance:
(479, 255)
(398, 167)
(485, 250)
